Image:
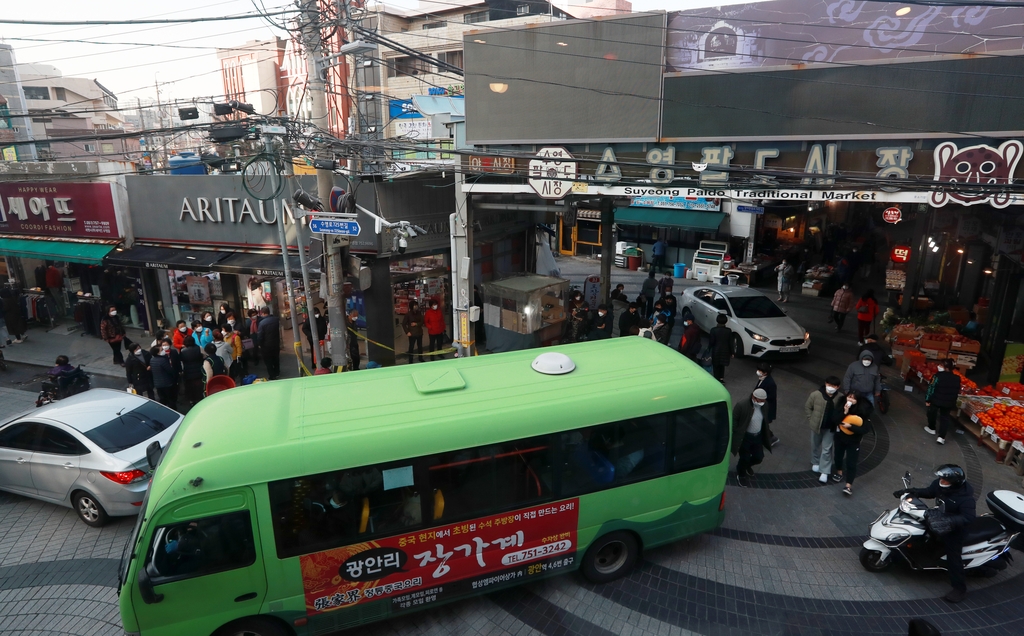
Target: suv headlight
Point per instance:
(756, 336)
(807, 335)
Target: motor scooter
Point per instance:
(64, 385)
(902, 534)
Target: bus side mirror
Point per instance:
(149, 596)
(153, 453)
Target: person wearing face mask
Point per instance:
(601, 327)
(202, 334)
(662, 332)
(955, 496)
(842, 303)
(234, 341)
(137, 370)
(167, 347)
(785, 272)
(940, 399)
(268, 337)
(767, 382)
(820, 411)
(690, 343)
(863, 377)
(871, 344)
(750, 435)
(208, 321)
(181, 331)
(847, 437)
(113, 333)
(222, 314)
(165, 376)
(192, 371)
(433, 320)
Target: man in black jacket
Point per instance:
(601, 327)
(767, 382)
(630, 321)
(941, 399)
(191, 357)
(165, 376)
(268, 337)
(720, 343)
(953, 494)
(750, 435)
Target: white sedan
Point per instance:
(758, 325)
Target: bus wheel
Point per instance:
(611, 557)
(254, 627)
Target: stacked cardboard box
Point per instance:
(934, 347)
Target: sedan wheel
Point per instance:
(89, 510)
(737, 347)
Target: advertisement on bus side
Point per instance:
(423, 567)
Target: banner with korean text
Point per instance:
(423, 567)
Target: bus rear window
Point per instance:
(132, 428)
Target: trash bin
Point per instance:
(679, 270)
(734, 280)
(634, 262)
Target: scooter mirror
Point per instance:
(906, 479)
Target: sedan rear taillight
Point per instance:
(125, 477)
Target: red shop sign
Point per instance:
(900, 254)
(422, 568)
(79, 210)
(892, 215)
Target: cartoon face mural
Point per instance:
(981, 165)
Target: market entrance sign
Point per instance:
(552, 173)
(892, 215)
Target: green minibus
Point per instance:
(311, 505)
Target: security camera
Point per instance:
(402, 244)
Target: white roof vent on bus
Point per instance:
(553, 363)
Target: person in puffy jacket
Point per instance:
(863, 377)
(842, 303)
(413, 325)
(433, 320)
(955, 496)
(181, 331)
(165, 377)
(846, 440)
(689, 344)
(202, 334)
(940, 399)
(867, 310)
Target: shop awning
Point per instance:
(207, 261)
(88, 253)
(683, 219)
(166, 257)
(262, 265)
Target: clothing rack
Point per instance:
(88, 312)
(39, 307)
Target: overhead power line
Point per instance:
(219, 18)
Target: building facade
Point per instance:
(252, 74)
(15, 126)
(74, 118)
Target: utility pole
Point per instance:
(335, 247)
(461, 222)
(160, 114)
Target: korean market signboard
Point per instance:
(420, 568)
(74, 210)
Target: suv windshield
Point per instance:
(132, 428)
(755, 307)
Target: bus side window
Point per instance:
(319, 512)
(612, 454)
(477, 481)
(201, 546)
(701, 436)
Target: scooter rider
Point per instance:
(956, 497)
